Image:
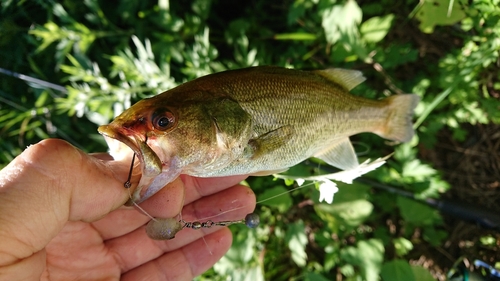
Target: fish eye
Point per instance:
(163, 119)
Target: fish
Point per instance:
(257, 121)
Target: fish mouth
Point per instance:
(151, 165)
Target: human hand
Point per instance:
(61, 218)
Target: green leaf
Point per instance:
(243, 247)
(415, 212)
(351, 213)
(402, 246)
(376, 28)
(239, 262)
(341, 20)
(434, 236)
(298, 36)
(488, 240)
(312, 276)
(438, 12)
(368, 255)
(397, 270)
(297, 242)
(421, 274)
(277, 197)
(417, 170)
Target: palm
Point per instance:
(117, 246)
(61, 218)
(80, 250)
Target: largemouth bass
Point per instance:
(259, 120)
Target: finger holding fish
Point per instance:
(218, 204)
(167, 203)
(137, 248)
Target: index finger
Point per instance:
(197, 188)
(166, 201)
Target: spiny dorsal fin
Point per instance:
(345, 77)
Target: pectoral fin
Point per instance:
(340, 155)
(269, 141)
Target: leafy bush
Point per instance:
(108, 56)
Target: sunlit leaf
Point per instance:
(417, 170)
(437, 12)
(421, 274)
(295, 36)
(341, 20)
(374, 29)
(368, 255)
(397, 270)
(352, 213)
(297, 242)
(402, 246)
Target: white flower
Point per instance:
(327, 190)
(300, 181)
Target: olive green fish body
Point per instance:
(257, 120)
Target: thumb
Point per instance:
(49, 184)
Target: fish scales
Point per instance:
(258, 120)
(277, 101)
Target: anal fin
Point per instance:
(340, 154)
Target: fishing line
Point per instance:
(128, 184)
(167, 228)
(252, 215)
(34, 80)
(43, 84)
(139, 207)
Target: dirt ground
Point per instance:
(473, 170)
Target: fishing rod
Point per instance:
(470, 212)
(34, 80)
(465, 211)
(43, 84)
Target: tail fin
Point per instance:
(399, 125)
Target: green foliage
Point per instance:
(110, 55)
(297, 241)
(397, 270)
(438, 12)
(367, 256)
(276, 197)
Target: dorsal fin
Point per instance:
(347, 78)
